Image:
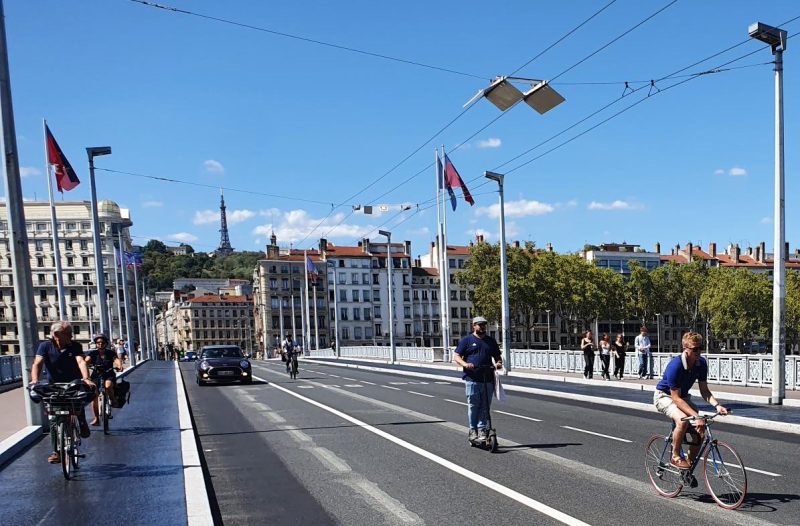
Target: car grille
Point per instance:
(222, 373)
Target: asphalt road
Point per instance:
(345, 446)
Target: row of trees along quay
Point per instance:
(733, 302)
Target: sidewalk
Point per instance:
(12, 407)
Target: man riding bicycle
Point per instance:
(289, 352)
(105, 361)
(672, 396)
(64, 361)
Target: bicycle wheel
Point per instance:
(74, 441)
(726, 478)
(105, 409)
(665, 477)
(64, 448)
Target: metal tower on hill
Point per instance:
(225, 248)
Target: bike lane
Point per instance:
(134, 475)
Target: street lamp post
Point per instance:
(89, 304)
(658, 332)
(498, 178)
(332, 265)
(548, 328)
(391, 292)
(776, 38)
(105, 328)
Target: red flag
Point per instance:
(453, 179)
(66, 178)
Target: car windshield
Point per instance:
(225, 352)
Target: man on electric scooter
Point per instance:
(474, 353)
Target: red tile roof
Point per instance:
(214, 298)
(425, 271)
(458, 250)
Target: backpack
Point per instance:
(122, 392)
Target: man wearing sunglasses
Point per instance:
(672, 396)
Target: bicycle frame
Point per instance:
(708, 440)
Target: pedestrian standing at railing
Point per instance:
(642, 346)
(587, 346)
(619, 347)
(605, 355)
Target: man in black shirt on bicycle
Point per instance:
(64, 361)
(289, 351)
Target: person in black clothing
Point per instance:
(64, 362)
(587, 346)
(475, 353)
(105, 361)
(619, 347)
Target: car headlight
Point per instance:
(244, 364)
(204, 365)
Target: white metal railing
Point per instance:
(322, 353)
(731, 369)
(378, 352)
(10, 369)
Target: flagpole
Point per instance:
(125, 294)
(62, 303)
(116, 288)
(444, 273)
(316, 320)
(307, 327)
(439, 188)
(142, 344)
(294, 329)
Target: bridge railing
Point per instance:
(10, 369)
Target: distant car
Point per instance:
(190, 356)
(223, 363)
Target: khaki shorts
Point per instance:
(666, 405)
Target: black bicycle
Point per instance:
(63, 402)
(724, 471)
(292, 359)
(103, 399)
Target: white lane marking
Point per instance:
(443, 383)
(329, 385)
(518, 416)
(351, 379)
(298, 435)
(320, 372)
(335, 375)
(198, 509)
(384, 500)
(748, 468)
(269, 413)
(353, 385)
(368, 383)
(305, 387)
(398, 383)
(597, 434)
(422, 394)
(329, 459)
(455, 402)
(455, 468)
(390, 387)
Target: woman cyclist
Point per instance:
(105, 360)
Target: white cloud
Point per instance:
(204, 217)
(719, 172)
(737, 172)
(422, 231)
(492, 142)
(520, 208)
(152, 204)
(183, 237)
(766, 220)
(237, 216)
(614, 205)
(213, 167)
(295, 225)
(29, 171)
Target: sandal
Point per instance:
(680, 463)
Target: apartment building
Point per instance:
(425, 306)
(215, 320)
(76, 247)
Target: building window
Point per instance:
(378, 330)
(84, 244)
(376, 295)
(70, 261)
(39, 261)
(367, 314)
(68, 244)
(39, 245)
(355, 295)
(408, 329)
(357, 333)
(345, 333)
(357, 314)
(406, 312)
(343, 312)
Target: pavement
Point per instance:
(133, 475)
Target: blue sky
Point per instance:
(189, 98)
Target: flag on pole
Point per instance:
(453, 180)
(134, 259)
(440, 176)
(66, 178)
(312, 270)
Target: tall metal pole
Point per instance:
(316, 320)
(125, 296)
(548, 329)
(779, 259)
(391, 292)
(444, 272)
(336, 313)
(62, 302)
(100, 280)
(142, 343)
(293, 320)
(116, 285)
(439, 235)
(503, 274)
(27, 326)
(89, 305)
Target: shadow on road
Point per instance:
(92, 472)
(343, 426)
(518, 447)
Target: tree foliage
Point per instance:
(737, 302)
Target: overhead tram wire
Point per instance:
(307, 39)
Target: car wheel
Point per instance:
(199, 381)
(247, 381)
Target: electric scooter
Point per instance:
(490, 441)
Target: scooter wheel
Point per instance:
(491, 442)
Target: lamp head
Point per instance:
(494, 177)
(773, 36)
(96, 151)
(385, 233)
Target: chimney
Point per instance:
(658, 248)
(690, 250)
(712, 250)
(479, 238)
(417, 262)
(471, 244)
(758, 253)
(750, 251)
(677, 251)
(549, 247)
(786, 251)
(762, 252)
(407, 247)
(365, 245)
(323, 245)
(736, 253)
(516, 244)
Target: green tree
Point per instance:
(792, 309)
(482, 274)
(737, 302)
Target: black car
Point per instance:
(223, 363)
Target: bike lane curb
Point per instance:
(198, 505)
(757, 423)
(20, 441)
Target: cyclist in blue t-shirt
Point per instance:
(672, 396)
(474, 353)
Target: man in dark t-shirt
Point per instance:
(475, 353)
(63, 360)
(105, 361)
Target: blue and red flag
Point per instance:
(134, 259)
(449, 178)
(66, 178)
(312, 270)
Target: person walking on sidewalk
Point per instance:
(475, 353)
(587, 346)
(64, 361)
(605, 355)
(642, 346)
(619, 348)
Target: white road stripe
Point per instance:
(366, 382)
(351, 379)
(518, 416)
(748, 468)
(390, 387)
(335, 375)
(443, 383)
(495, 486)
(398, 383)
(330, 385)
(455, 401)
(198, 509)
(422, 394)
(353, 385)
(305, 387)
(596, 434)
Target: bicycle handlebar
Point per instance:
(706, 418)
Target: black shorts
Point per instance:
(105, 375)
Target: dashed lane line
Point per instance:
(455, 401)
(368, 383)
(390, 387)
(484, 481)
(353, 385)
(518, 416)
(422, 394)
(596, 434)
